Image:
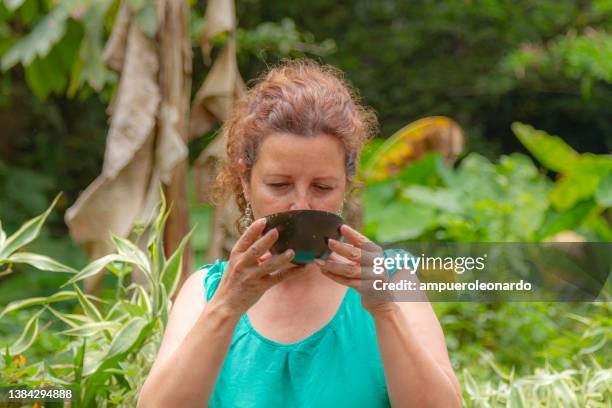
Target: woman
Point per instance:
(263, 332)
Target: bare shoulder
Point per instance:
(185, 312)
(193, 288)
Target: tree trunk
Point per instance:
(175, 86)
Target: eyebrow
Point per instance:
(326, 178)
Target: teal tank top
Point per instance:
(337, 366)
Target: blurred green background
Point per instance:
(486, 64)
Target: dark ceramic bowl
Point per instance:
(304, 231)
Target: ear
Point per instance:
(242, 170)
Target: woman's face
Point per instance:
(294, 172)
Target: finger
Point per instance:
(341, 269)
(249, 236)
(358, 239)
(341, 280)
(351, 253)
(260, 247)
(275, 263)
(348, 251)
(264, 257)
(338, 258)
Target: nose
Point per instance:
(301, 201)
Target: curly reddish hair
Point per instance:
(301, 97)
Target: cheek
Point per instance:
(330, 201)
(266, 202)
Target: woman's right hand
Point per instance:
(245, 279)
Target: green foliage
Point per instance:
(582, 387)
(581, 176)
(477, 202)
(105, 351)
(480, 201)
(586, 58)
(26, 234)
(280, 39)
(411, 59)
(562, 346)
(62, 47)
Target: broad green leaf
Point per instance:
(555, 221)
(551, 151)
(28, 336)
(44, 75)
(49, 30)
(20, 304)
(27, 233)
(96, 266)
(40, 262)
(171, 274)
(428, 171)
(581, 182)
(442, 199)
(403, 221)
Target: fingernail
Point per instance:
(319, 262)
(289, 252)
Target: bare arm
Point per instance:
(198, 335)
(415, 358)
(194, 346)
(410, 340)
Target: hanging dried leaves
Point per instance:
(213, 103)
(148, 127)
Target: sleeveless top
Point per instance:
(337, 366)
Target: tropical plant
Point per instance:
(107, 346)
(481, 201)
(585, 386)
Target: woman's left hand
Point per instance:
(352, 264)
